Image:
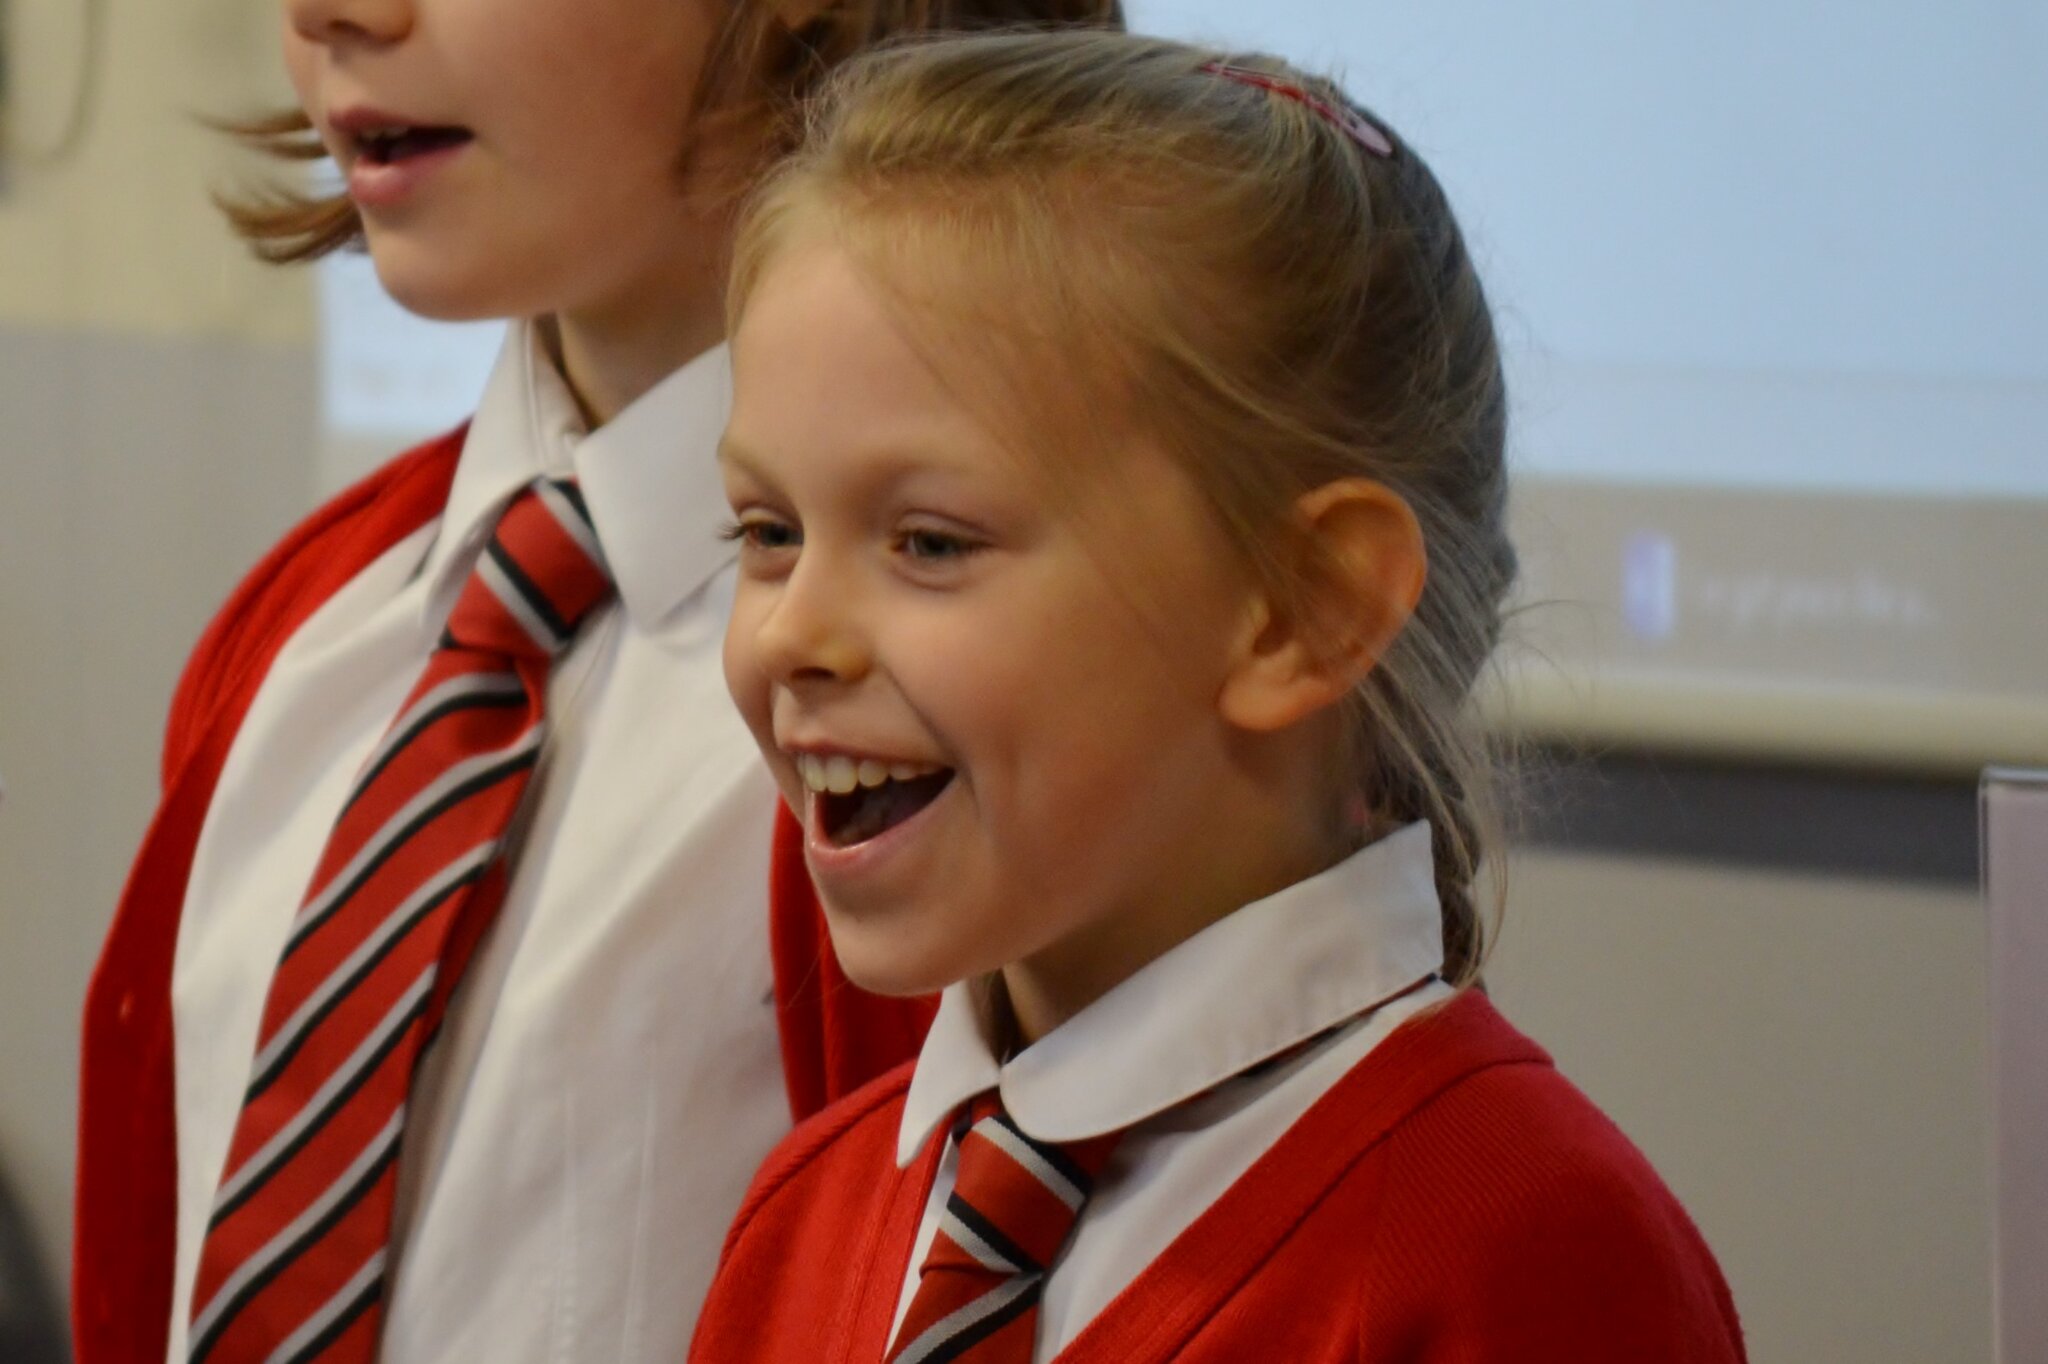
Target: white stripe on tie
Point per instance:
(379, 841)
(572, 523)
(287, 1034)
(398, 1017)
(469, 684)
(289, 1236)
(372, 1270)
(997, 1132)
(966, 1318)
(968, 1240)
(516, 606)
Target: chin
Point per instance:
(880, 964)
(440, 300)
(426, 284)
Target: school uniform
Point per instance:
(1320, 1159)
(633, 1033)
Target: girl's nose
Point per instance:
(340, 21)
(810, 636)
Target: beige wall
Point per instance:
(120, 237)
(1806, 1060)
(142, 475)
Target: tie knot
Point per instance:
(1026, 1192)
(541, 574)
(1014, 1202)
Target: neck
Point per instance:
(1047, 990)
(612, 354)
(1244, 841)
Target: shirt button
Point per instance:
(126, 1009)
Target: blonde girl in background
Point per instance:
(1116, 460)
(554, 865)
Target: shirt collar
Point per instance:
(649, 476)
(1326, 949)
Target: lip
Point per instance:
(822, 748)
(374, 185)
(357, 119)
(379, 186)
(831, 863)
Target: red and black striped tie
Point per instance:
(1013, 1204)
(292, 1269)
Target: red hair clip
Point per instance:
(1349, 121)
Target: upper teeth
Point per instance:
(840, 774)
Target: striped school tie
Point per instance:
(1013, 1204)
(292, 1268)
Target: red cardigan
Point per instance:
(1452, 1200)
(834, 1037)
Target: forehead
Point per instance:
(822, 364)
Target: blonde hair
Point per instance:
(1277, 305)
(764, 61)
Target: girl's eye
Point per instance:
(756, 531)
(935, 546)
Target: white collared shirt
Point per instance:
(608, 1076)
(1154, 1054)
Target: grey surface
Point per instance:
(2016, 900)
(1806, 1061)
(141, 477)
(31, 1327)
(1755, 815)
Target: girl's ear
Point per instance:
(1360, 568)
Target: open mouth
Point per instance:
(390, 146)
(859, 799)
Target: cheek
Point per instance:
(614, 79)
(1061, 711)
(1125, 717)
(753, 695)
(742, 674)
(744, 678)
